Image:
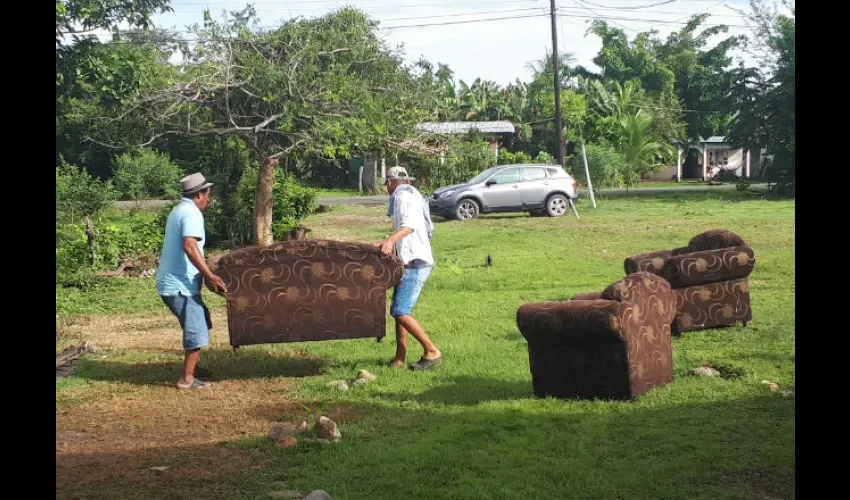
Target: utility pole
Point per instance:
(558, 125)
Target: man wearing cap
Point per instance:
(181, 270)
(411, 242)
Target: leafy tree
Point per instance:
(312, 86)
(703, 77)
(763, 98)
(77, 17)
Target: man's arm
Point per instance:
(193, 230)
(388, 244)
(190, 246)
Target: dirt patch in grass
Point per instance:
(131, 416)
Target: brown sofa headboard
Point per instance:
(296, 291)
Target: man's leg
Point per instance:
(410, 324)
(400, 345)
(194, 319)
(190, 361)
(404, 298)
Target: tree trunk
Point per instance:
(263, 205)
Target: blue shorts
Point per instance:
(194, 318)
(407, 292)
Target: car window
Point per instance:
(553, 172)
(533, 173)
(506, 176)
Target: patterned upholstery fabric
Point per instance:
(297, 291)
(616, 346)
(709, 276)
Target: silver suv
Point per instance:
(537, 189)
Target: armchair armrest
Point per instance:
(652, 262)
(709, 266)
(553, 323)
(587, 296)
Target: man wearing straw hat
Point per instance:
(181, 269)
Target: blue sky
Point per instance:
(496, 50)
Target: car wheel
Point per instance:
(467, 209)
(557, 205)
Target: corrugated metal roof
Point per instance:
(495, 127)
(714, 138)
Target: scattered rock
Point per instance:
(280, 429)
(371, 377)
(327, 429)
(159, 468)
(285, 494)
(771, 385)
(339, 384)
(360, 381)
(705, 371)
(787, 393)
(318, 495)
(287, 441)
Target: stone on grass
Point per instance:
(339, 384)
(773, 387)
(159, 468)
(371, 377)
(287, 441)
(318, 495)
(280, 429)
(787, 393)
(360, 381)
(327, 429)
(705, 371)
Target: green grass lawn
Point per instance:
(471, 428)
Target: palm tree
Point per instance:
(641, 153)
(544, 67)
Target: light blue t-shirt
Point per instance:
(176, 273)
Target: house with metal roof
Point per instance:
(494, 131)
(706, 158)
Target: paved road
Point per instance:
(382, 199)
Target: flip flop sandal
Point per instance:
(424, 364)
(196, 385)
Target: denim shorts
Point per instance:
(194, 318)
(407, 292)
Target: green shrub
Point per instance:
(79, 195)
(726, 176)
(607, 166)
(508, 158)
(146, 174)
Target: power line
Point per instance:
(638, 7)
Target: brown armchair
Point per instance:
(298, 291)
(709, 277)
(616, 346)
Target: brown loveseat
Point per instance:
(709, 276)
(616, 346)
(298, 291)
